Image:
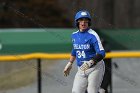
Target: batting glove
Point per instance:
(86, 65)
(67, 69)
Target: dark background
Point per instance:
(60, 13)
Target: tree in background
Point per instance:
(60, 13)
(37, 13)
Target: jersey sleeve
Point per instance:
(73, 52)
(99, 49)
(98, 45)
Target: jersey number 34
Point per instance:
(81, 54)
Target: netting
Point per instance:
(21, 76)
(126, 79)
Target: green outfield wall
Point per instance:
(122, 39)
(22, 41)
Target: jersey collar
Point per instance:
(84, 30)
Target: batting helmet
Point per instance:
(82, 14)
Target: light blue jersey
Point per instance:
(86, 45)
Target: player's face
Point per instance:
(83, 24)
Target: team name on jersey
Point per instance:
(81, 46)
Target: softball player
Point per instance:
(88, 52)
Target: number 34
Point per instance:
(81, 54)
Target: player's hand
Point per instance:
(67, 69)
(86, 65)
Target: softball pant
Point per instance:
(89, 80)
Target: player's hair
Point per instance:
(77, 23)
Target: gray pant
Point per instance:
(90, 79)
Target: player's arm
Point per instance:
(68, 67)
(73, 55)
(72, 59)
(100, 54)
(98, 47)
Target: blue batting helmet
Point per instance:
(82, 14)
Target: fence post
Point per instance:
(39, 77)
